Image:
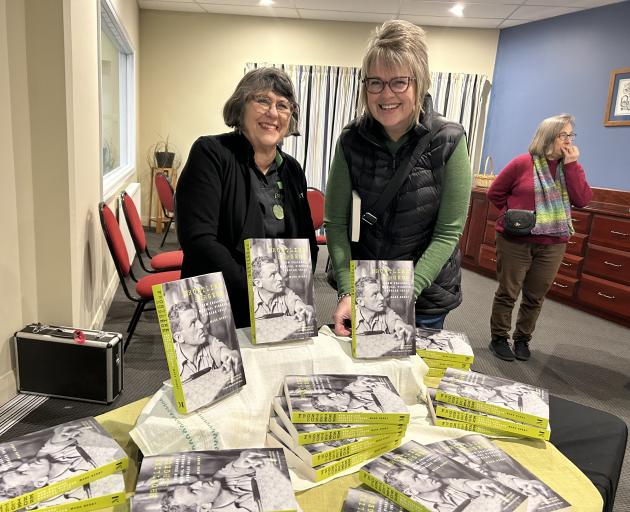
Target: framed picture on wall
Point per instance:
(618, 105)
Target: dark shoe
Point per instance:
(521, 350)
(500, 347)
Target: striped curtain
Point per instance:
(328, 97)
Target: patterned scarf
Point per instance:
(553, 208)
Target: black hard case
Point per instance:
(50, 362)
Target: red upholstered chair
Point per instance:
(167, 200)
(170, 260)
(117, 248)
(316, 200)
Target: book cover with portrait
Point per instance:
(418, 479)
(479, 453)
(281, 290)
(199, 336)
(498, 396)
(346, 398)
(56, 466)
(443, 345)
(362, 499)
(383, 314)
(251, 479)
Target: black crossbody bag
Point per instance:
(519, 222)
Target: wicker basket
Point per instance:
(485, 178)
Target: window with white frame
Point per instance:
(116, 101)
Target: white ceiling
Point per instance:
(477, 14)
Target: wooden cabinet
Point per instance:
(595, 272)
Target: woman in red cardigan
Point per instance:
(547, 180)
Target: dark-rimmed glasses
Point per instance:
(264, 103)
(396, 84)
(564, 136)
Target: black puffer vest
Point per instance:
(404, 230)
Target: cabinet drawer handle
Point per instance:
(618, 233)
(564, 264)
(575, 220)
(616, 265)
(572, 243)
(493, 260)
(606, 296)
(560, 285)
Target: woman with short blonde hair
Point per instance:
(544, 183)
(400, 139)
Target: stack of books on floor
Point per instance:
(441, 349)
(328, 423)
(73, 466)
(250, 479)
(490, 405)
(465, 474)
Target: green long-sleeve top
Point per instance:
(456, 185)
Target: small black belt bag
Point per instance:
(518, 222)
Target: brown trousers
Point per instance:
(525, 267)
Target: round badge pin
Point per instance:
(278, 211)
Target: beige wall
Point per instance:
(191, 63)
(57, 266)
(10, 283)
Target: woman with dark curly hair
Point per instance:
(241, 185)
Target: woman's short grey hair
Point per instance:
(258, 81)
(547, 132)
(398, 43)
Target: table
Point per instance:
(324, 355)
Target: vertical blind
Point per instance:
(328, 98)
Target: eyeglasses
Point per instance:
(264, 103)
(566, 136)
(396, 84)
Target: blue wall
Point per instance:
(562, 64)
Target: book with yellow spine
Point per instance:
(325, 398)
(423, 480)
(444, 345)
(317, 454)
(199, 337)
(103, 493)
(309, 433)
(43, 465)
(500, 397)
(443, 364)
(247, 479)
(319, 473)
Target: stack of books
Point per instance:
(465, 474)
(75, 465)
(244, 479)
(490, 405)
(441, 349)
(329, 423)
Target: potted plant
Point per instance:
(163, 155)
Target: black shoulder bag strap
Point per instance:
(371, 215)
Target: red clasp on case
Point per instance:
(79, 336)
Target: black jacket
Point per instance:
(405, 229)
(217, 209)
